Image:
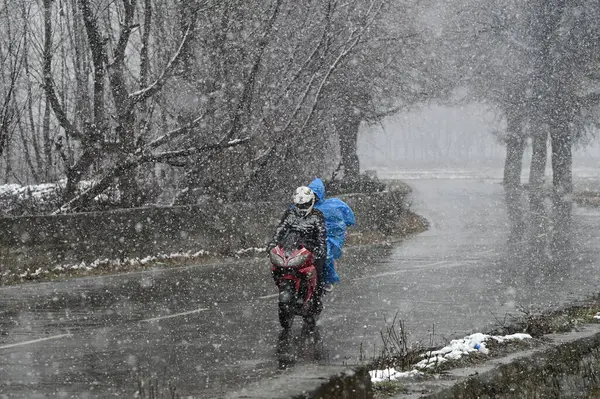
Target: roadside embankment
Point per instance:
(557, 365)
(560, 359)
(44, 247)
(312, 382)
(565, 365)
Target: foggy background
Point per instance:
(452, 142)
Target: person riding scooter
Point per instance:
(304, 219)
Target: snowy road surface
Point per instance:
(213, 329)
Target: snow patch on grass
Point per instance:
(249, 251)
(107, 264)
(125, 264)
(392, 374)
(19, 200)
(460, 347)
(455, 350)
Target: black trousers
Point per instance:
(319, 265)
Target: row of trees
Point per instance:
(241, 99)
(232, 99)
(539, 62)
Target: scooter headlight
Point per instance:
(297, 261)
(276, 259)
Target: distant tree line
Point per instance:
(538, 62)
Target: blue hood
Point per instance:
(319, 189)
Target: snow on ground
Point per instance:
(118, 263)
(391, 374)
(17, 200)
(107, 263)
(38, 190)
(460, 347)
(249, 251)
(8, 189)
(455, 350)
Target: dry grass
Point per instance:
(397, 351)
(541, 323)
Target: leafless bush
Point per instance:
(397, 351)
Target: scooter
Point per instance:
(295, 275)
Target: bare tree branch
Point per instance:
(303, 68)
(247, 94)
(156, 86)
(7, 113)
(352, 44)
(49, 88)
(99, 59)
(163, 156)
(331, 69)
(144, 59)
(127, 27)
(174, 133)
(123, 167)
(117, 78)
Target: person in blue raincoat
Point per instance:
(338, 216)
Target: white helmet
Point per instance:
(304, 200)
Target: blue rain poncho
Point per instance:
(338, 216)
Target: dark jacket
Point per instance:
(310, 227)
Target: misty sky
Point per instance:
(439, 135)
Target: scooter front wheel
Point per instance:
(286, 308)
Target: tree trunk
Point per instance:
(8, 170)
(26, 153)
(47, 143)
(516, 214)
(131, 195)
(538, 160)
(515, 146)
(538, 212)
(562, 180)
(76, 172)
(562, 160)
(348, 137)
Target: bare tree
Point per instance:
(531, 59)
(11, 59)
(112, 129)
(235, 99)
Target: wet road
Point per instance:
(213, 329)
